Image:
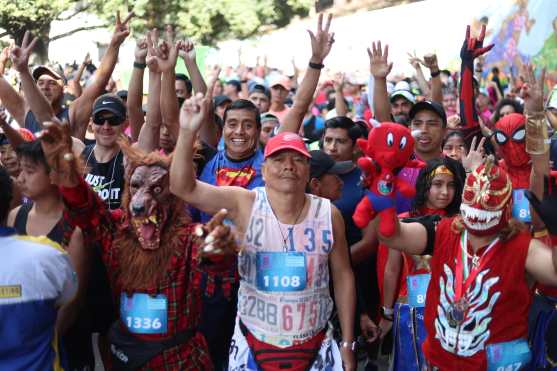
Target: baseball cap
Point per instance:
(286, 140)
(403, 93)
(266, 117)
(321, 163)
(46, 70)
(259, 88)
(220, 100)
(236, 84)
(429, 106)
(280, 80)
(123, 94)
(111, 103)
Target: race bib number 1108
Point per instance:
(281, 271)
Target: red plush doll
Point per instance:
(386, 151)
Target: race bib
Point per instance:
(281, 271)
(510, 356)
(521, 206)
(144, 314)
(417, 288)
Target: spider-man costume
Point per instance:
(510, 134)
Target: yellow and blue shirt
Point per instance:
(36, 278)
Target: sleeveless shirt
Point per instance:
(284, 296)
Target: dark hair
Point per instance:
(455, 133)
(423, 184)
(32, 151)
(186, 80)
(518, 108)
(245, 105)
(6, 194)
(341, 122)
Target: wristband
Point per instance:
(540, 234)
(139, 65)
(387, 313)
(348, 344)
(435, 73)
(316, 66)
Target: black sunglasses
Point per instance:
(112, 120)
(519, 135)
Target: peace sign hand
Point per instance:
(20, 54)
(121, 30)
(322, 40)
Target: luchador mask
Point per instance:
(510, 134)
(486, 199)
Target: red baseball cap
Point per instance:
(286, 140)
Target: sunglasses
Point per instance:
(112, 120)
(519, 135)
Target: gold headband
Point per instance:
(441, 170)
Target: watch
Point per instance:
(348, 344)
(387, 313)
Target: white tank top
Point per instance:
(284, 296)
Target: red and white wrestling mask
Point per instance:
(486, 200)
(510, 134)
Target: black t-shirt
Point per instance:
(33, 125)
(107, 178)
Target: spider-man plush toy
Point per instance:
(386, 151)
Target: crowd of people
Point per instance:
(258, 221)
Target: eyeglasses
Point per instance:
(112, 120)
(519, 135)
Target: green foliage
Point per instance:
(205, 20)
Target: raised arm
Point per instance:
(471, 49)
(134, 102)
(420, 78)
(84, 208)
(150, 131)
(409, 237)
(38, 103)
(14, 103)
(321, 43)
(208, 132)
(4, 58)
(14, 137)
(183, 182)
(168, 99)
(74, 85)
(81, 108)
(340, 103)
(187, 52)
(430, 61)
(379, 68)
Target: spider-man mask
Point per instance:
(486, 200)
(510, 134)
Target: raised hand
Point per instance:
(474, 157)
(141, 49)
(163, 57)
(322, 40)
(20, 54)
(532, 89)
(430, 62)
(414, 60)
(473, 47)
(379, 65)
(338, 80)
(56, 142)
(121, 29)
(197, 110)
(87, 60)
(187, 50)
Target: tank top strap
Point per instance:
(20, 222)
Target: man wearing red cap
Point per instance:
(289, 238)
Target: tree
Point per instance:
(205, 21)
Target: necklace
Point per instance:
(291, 229)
